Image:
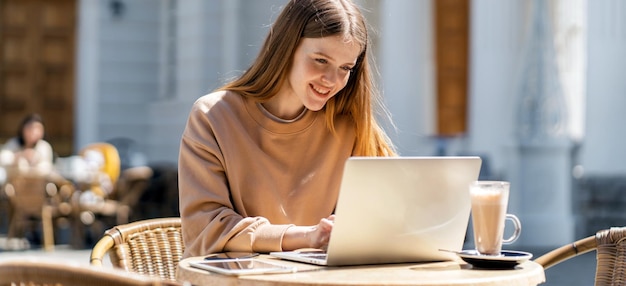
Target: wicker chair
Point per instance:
(610, 246)
(151, 247)
(35, 199)
(37, 272)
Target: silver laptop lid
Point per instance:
(401, 209)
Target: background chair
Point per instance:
(103, 162)
(96, 207)
(150, 247)
(111, 194)
(34, 201)
(27, 196)
(31, 272)
(610, 246)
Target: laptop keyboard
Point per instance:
(315, 255)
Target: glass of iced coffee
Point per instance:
(489, 213)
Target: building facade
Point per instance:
(141, 64)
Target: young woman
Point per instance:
(28, 152)
(261, 158)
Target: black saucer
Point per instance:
(506, 260)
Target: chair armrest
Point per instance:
(100, 249)
(567, 251)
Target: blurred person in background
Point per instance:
(28, 152)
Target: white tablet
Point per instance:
(247, 266)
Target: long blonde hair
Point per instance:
(316, 19)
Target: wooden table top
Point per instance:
(434, 273)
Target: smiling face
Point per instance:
(321, 67)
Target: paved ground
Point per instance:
(576, 272)
(61, 254)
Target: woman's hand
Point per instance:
(315, 236)
(320, 234)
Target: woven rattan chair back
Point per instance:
(610, 246)
(27, 196)
(30, 201)
(34, 273)
(150, 247)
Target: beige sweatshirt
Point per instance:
(244, 178)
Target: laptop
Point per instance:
(396, 210)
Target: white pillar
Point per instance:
(603, 150)
(570, 36)
(87, 76)
(543, 179)
(407, 72)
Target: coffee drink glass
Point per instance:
(489, 206)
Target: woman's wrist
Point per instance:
(297, 237)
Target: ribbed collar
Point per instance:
(268, 122)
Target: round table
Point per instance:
(432, 273)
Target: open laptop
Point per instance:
(398, 209)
